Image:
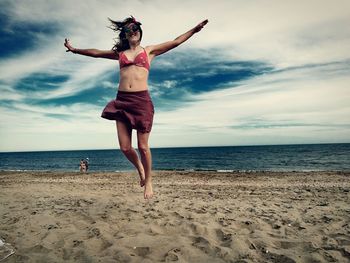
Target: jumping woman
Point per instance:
(133, 107)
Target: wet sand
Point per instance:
(194, 217)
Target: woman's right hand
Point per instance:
(68, 45)
(200, 26)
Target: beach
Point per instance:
(193, 217)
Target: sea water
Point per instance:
(305, 157)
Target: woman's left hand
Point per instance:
(68, 45)
(200, 26)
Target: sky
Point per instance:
(259, 73)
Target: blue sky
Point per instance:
(261, 72)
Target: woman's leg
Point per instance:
(146, 159)
(124, 137)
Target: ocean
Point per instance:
(305, 157)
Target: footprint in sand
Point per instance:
(204, 245)
(223, 221)
(173, 255)
(225, 238)
(77, 243)
(142, 251)
(94, 232)
(276, 258)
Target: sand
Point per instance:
(194, 217)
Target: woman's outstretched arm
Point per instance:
(157, 50)
(91, 52)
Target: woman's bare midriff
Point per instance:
(133, 78)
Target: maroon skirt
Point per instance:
(133, 108)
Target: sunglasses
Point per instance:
(131, 29)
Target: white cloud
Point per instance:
(307, 108)
(169, 84)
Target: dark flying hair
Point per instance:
(118, 27)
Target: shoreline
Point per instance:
(193, 217)
(219, 171)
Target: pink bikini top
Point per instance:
(141, 60)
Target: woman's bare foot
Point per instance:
(148, 193)
(142, 179)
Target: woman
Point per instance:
(133, 107)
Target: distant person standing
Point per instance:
(82, 167)
(86, 161)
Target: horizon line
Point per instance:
(174, 147)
